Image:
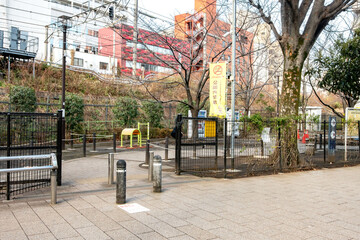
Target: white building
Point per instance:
(38, 18)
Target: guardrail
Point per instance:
(53, 167)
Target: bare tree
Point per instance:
(301, 24)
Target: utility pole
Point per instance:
(233, 72)
(46, 42)
(135, 37)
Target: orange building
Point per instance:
(208, 38)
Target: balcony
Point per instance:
(18, 44)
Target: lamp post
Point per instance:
(65, 24)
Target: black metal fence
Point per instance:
(28, 134)
(203, 146)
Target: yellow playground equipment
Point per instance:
(131, 132)
(136, 132)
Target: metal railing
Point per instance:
(53, 167)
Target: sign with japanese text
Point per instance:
(217, 91)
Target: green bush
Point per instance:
(74, 112)
(23, 99)
(126, 111)
(154, 113)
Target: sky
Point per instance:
(168, 8)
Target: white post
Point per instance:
(233, 72)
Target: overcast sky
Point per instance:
(168, 8)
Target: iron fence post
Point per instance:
(59, 145)
(358, 135)
(71, 141)
(147, 152)
(114, 142)
(8, 153)
(94, 142)
(320, 141)
(324, 141)
(225, 143)
(178, 144)
(166, 148)
(84, 145)
(279, 141)
(216, 143)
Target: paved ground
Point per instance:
(322, 204)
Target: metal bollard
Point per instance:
(120, 182)
(84, 145)
(53, 176)
(150, 169)
(110, 168)
(94, 142)
(114, 142)
(167, 148)
(147, 152)
(157, 174)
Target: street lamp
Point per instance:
(65, 24)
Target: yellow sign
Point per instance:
(210, 129)
(217, 91)
(352, 117)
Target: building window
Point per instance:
(76, 46)
(78, 62)
(93, 33)
(91, 49)
(223, 44)
(103, 66)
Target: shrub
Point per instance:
(154, 113)
(74, 112)
(126, 111)
(23, 99)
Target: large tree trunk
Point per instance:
(289, 101)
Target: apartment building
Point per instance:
(37, 20)
(155, 52)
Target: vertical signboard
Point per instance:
(217, 91)
(332, 138)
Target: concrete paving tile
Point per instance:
(100, 219)
(196, 232)
(145, 218)
(44, 236)
(122, 234)
(151, 236)
(224, 233)
(92, 233)
(118, 215)
(79, 221)
(202, 223)
(165, 229)
(34, 227)
(230, 225)
(63, 230)
(12, 235)
(79, 203)
(206, 215)
(172, 220)
(182, 237)
(10, 224)
(135, 227)
(73, 238)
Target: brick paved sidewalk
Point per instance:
(304, 205)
